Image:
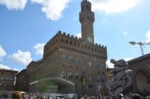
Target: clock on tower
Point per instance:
(90, 39)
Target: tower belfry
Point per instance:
(86, 20)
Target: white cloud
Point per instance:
(113, 6)
(52, 8)
(127, 59)
(109, 64)
(4, 67)
(79, 35)
(2, 53)
(39, 48)
(148, 36)
(125, 33)
(14, 4)
(21, 57)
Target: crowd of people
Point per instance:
(121, 96)
(18, 95)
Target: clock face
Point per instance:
(90, 39)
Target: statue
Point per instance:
(121, 78)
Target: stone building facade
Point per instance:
(141, 74)
(7, 80)
(70, 64)
(21, 81)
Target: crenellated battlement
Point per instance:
(67, 35)
(67, 41)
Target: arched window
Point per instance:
(141, 82)
(76, 60)
(70, 59)
(63, 57)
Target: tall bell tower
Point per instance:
(86, 20)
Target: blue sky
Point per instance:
(26, 25)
